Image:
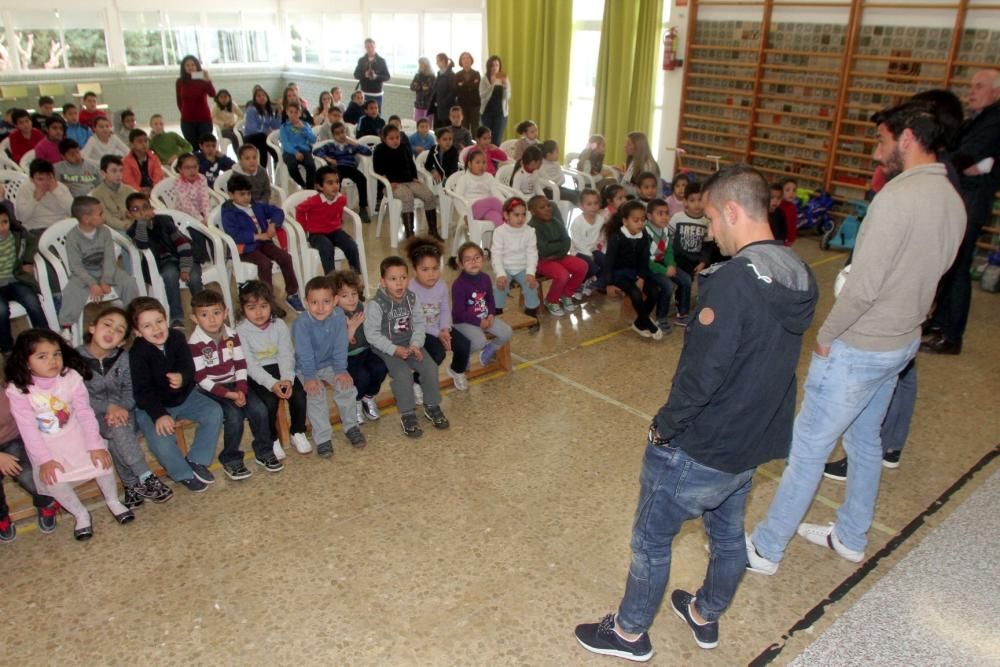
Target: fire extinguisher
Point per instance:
(670, 50)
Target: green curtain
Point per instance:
(626, 72)
(532, 38)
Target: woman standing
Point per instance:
(444, 91)
(193, 90)
(494, 93)
(467, 90)
(423, 86)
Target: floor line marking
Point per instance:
(607, 336)
(827, 260)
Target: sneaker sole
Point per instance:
(889, 464)
(750, 568)
(202, 479)
(836, 478)
(704, 645)
(201, 490)
(828, 544)
(412, 434)
(235, 478)
(618, 654)
(264, 466)
(164, 498)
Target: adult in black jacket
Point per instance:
(371, 73)
(626, 268)
(730, 410)
(444, 95)
(979, 142)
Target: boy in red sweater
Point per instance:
(90, 113)
(322, 216)
(25, 137)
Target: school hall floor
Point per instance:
(481, 545)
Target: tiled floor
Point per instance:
(482, 545)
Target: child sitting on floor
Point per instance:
(675, 202)
(367, 369)
(164, 389)
(111, 397)
(254, 225)
(424, 253)
(322, 217)
(321, 342)
(270, 357)
(220, 370)
(515, 258)
(473, 308)
(50, 404)
(394, 326)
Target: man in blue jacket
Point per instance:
(730, 410)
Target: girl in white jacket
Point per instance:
(515, 257)
(480, 188)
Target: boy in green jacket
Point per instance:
(554, 261)
(661, 258)
(166, 145)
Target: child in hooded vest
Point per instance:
(110, 390)
(320, 337)
(394, 326)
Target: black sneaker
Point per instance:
(705, 636)
(836, 470)
(436, 417)
(194, 484)
(8, 531)
(47, 517)
(890, 460)
(601, 638)
(356, 437)
(133, 496)
(270, 463)
(236, 470)
(325, 449)
(201, 472)
(156, 490)
(411, 429)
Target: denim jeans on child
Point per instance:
(683, 281)
(846, 393)
(25, 295)
(674, 488)
(665, 287)
(24, 478)
(170, 271)
(200, 409)
(233, 417)
(530, 295)
(896, 426)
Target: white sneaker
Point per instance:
(360, 411)
(370, 407)
(279, 451)
(461, 382)
(418, 394)
(67, 334)
(301, 442)
(756, 562)
(567, 304)
(826, 536)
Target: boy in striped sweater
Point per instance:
(220, 371)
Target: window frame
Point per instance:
(103, 24)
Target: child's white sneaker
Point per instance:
(418, 394)
(826, 536)
(370, 407)
(301, 442)
(461, 382)
(279, 451)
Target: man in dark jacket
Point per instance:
(977, 160)
(371, 73)
(730, 410)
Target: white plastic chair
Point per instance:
(52, 248)
(444, 205)
(408, 125)
(311, 263)
(477, 230)
(505, 173)
(12, 181)
(347, 186)
(222, 182)
(389, 207)
(224, 143)
(214, 271)
(163, 194)
(281, 176)
(371, 142)
(26, 160)
(508, 147)
(5, 160)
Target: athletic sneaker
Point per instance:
(663, 324)
(436, 417)
(826, 536)
(359, 412)
(270, 464)
(705, 636)
(301, 443)
(890, 460)
(236, 470)
(356, 437)
(278, 450)
(8, 531)
(325, 449)
(370, 407)
(655, 332)
(296, 303)
(156, 490)
(588, 286)
(487, 354)
(642, 331)
(681, 320)
(578, 295)
(554, 309)
(67, 334)
(601, 638)
(836, 470)
(194, 484)
(418, 394)
(567, 304)
(201, 472)
(47, 517)
(411, 429)
(133, 495)
(756, 562)
(461, 382)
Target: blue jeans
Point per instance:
(497, 124)
(599, 258)
(674, 489)
(847, 393)
(666, 287)
(530, 295)
(233, 417)
(25, 295)
(683, 281)
(171, 274)
(896, 427)
(198, 408)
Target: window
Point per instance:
(57, 40)
(143, 34)
(587, 18)
(257, 28)
(6, 62)
(223, 41)
(396, 38)
(451, 34)
(342, 53)
(182, 36)
(305, 37)
(658, 93)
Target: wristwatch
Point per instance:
(654, 438)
